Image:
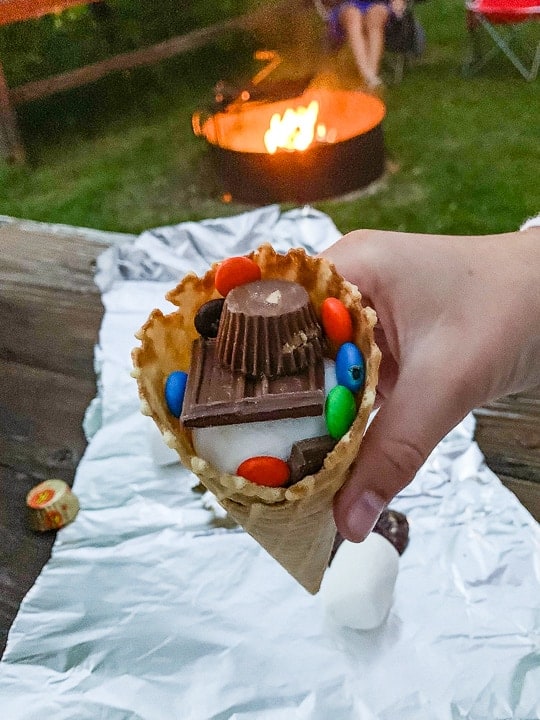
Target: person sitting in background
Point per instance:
(362, 24)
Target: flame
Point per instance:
(295, 129)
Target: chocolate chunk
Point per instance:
(217, 396)
(207, 319)
(307, 456)
(268, 327)
(392, 525)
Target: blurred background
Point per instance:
(119, 154)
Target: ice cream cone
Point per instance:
(294, 524)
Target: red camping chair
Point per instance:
(503, 21)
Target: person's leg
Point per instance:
(352, 22)
(375, 20)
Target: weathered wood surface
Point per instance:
(50, 313)
(508, 431)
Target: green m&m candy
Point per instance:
(339, 411)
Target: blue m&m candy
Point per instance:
(350, 367)
(175, 389)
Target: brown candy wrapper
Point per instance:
(392, 525)
(294, 524)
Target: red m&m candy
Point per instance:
(265, 470)
(336, 321)
(235, 271)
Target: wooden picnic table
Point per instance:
(50, 313)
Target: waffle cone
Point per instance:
(295, 525)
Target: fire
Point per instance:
(295, 129)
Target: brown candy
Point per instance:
(269, 328)
(307, 456)
(207, 319)
(392, 525)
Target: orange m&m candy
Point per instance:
(235, 271)
(336, 321)
(265, 470)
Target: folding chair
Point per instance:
(405, 40)
(503, 21)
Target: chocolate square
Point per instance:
(217, 396)
(307, 456)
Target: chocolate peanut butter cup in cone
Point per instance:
(294, 524)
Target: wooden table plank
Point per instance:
(50, 313)
(41, 414)
(23, 552)
(528, 493)
(508, 432)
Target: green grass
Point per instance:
(120, 154)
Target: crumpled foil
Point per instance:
(152, 608)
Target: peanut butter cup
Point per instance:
(268, 328)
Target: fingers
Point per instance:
(353, 257)
(413, 419)
(440, 326)
(424, 394)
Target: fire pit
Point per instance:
(320, 144)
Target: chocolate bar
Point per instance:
(217, 396)
(307, 456)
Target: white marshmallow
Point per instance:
(226, 446)
(358, 587)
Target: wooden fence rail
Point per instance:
(11, 146)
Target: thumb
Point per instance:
(413, 419)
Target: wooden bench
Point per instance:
(50, 313)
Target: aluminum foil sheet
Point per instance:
(153, 608)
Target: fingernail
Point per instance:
(364, 513)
